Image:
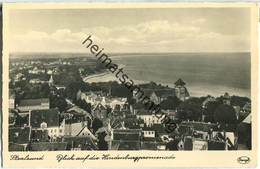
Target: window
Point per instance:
(51, 130)
(60, 130)
(54, 130)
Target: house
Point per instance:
(229, 138)
(80, 112)
(78, 129)
(199, 144)
(47, 120)
(208, 100)
(125, 139)
(37, 81)
(160, 131)
(155, 95)
(47, 146)
(35, 70)
(80, 143)
(198, 129)
(159, 95)
(172, 114)
(18, 138)
(136, 107)
(150, 143)
(99, 111)
(90, 97)
(148, 117)
(33, 104)
(245, 133)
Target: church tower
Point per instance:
(180, 90)
(51, 81)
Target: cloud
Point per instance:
(152, 36)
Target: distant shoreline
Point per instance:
(33, 55)
(194, 92)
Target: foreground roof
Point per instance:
(34, 102)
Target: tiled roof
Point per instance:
(159, 128)
(49, 116)
(127, 134)
(159, 92)
(33, 102)
(125, 145)
(200, 126)
(248, 119)
(85, 143)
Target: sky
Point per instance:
(132, 30)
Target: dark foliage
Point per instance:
(96, 124)
(102, 144)
(225, 114)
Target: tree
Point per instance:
(171, 103)
(210, 110)
(225, 114)
(190, 110)
(58, 102)
(96, 124)
(102, 144)
(239, 101)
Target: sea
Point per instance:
(204, 73)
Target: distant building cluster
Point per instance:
(98, 120)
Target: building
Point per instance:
(96, 97)
(125, 139)
(37, 81)
(148, 117)
(159, 95)
(208, 100)
(80, 143)
(47, 120)
(78, 129)
(35, 70)
(148, 132)
(155, 95)
(26, 105)
(99, 111)
(180, 90)
(198, 129)
(226, 99)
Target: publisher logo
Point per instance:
(243, 160)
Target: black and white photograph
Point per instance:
(130, 79)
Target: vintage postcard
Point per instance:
(130, 85)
